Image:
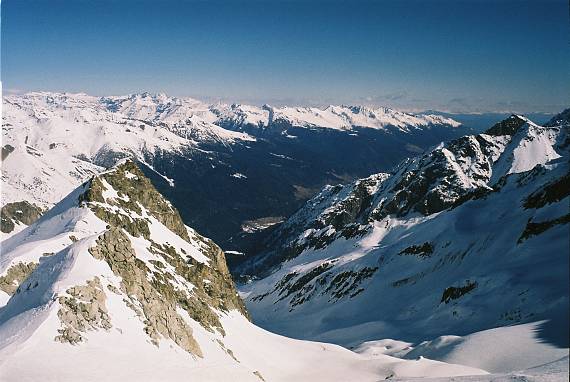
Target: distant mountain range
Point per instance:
(480, 122)
(225, 167)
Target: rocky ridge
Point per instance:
(175, 278)
(405, 250)
(462, 169)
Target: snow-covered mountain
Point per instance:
(52, 142)
(470, 236)
(210, 160)
(332, 117)
(111, 285)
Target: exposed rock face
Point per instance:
(551, 193)
(154, 302)
(423, 250)
(10, 282)
(335, 211)
(6, 150)
(166, 273)
(135, 193)
(433, 182)
(536, 228)
(134, 190)
(453, 293)
(84, 309)
(508, 126)
(158, 288)
(18, 212)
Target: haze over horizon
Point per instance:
(466, 56)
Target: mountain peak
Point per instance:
(117, 228)
(125, 186)
(508, 126)
(454, 225)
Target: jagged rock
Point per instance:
(536, 228)
(423, 250)
(127, 179)
(153, 293)
(84, 309)
(157, 301)
(15, 275)
(18, 212)
(551, 193)
(453, 293)
(6, 150)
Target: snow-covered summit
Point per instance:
(54, 140)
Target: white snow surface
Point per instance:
(347, 117)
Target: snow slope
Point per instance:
(498, 350)
(111, 285)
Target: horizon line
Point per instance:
(212, 100)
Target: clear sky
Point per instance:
(453, 55)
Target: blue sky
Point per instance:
(448, 55)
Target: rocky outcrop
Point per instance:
(154, 301)
(321, 280)
(337, 211)
(551, 193)
(536, 228)
(15, 275)
(421, 250)
(82, 310)
(508, 126)
(18, 213)
(156, 290)
(453, 293)
(435, 181)
(6, 150)
(134, 190)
